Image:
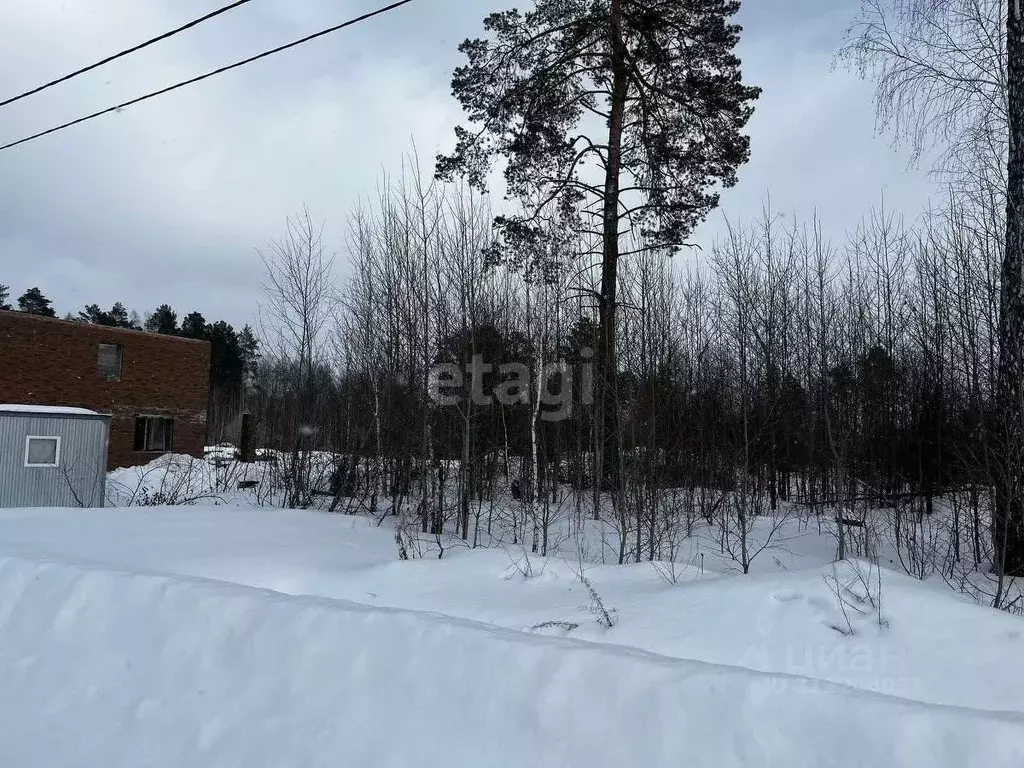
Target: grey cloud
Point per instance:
(168, 200)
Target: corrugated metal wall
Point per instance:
(80, 478)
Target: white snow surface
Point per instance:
(220, 637)
(46, 410)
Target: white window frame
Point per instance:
(28, 442)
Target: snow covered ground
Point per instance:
(49, 410)
(229, 636)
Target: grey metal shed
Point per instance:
(52, 456)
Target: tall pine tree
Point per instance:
(163, 320)
(93, 315)
(117, 317)
(120, 317)
(194, 326)
(34, 302)
(249, 347)
(665, 86)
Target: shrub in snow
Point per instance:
(857, 587)
(565, 626)
(606, 617)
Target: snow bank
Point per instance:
(100, 667)
(934, 645)
(46, 410)
(168, 479)
(179, 479)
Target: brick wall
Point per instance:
(44, 361)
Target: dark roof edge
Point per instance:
(56, 415)
(30, 318)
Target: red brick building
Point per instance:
(154, 387)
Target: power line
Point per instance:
(122, 54)
(192, 81)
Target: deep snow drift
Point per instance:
(119, 669)
(128, 637)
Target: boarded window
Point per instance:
(154, 433)
(42, 451)
(109, 361)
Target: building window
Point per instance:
(42, 451)
(154, 433)
(109, 361)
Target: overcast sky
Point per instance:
(167, 201)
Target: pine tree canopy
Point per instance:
(34, 302)
(539, 87)
(163, 320)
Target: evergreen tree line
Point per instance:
(233, 354)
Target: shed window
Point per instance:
(42, 451)
(109, 361)
(154, 433)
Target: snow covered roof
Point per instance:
(47, 410)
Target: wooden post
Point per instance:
(245, 438)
